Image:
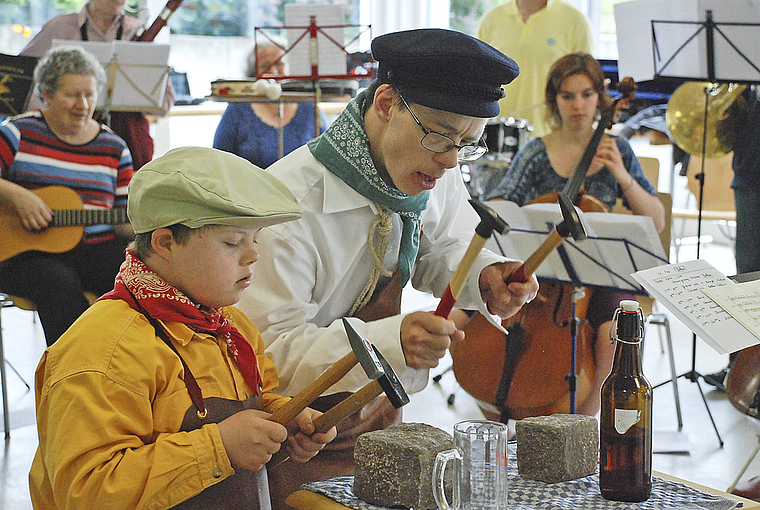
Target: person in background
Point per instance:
(575, 94)
(746, 186)
(62, 145)
(535, 33)
(384, 204)
(103, 21)
(160, 395)
(252, 130)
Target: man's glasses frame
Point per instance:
(440, 143)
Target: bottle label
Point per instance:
(625, 419)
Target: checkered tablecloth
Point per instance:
(580, 494)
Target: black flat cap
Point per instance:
(444, 69)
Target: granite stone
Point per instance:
(394, 466)
(557, 448)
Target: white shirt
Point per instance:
(310, 272)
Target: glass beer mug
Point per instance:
(479, 467)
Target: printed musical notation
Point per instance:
(682, 289)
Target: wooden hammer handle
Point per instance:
(303, 399)
(531, 264)
(348, 406)
(460, 276)
(335, 415)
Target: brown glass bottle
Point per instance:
(625, 422)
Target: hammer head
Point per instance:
(365, 354)
(571, 222)
(489, 220)
(391, 385)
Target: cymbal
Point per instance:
(685, 117)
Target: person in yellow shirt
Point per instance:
(159, 395)
(535, 34)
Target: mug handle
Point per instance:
(439, 468)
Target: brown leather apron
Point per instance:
(337, 458)
(245, 490)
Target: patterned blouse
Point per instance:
(532, 175)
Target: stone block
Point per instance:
(394, 466)
(557, 448)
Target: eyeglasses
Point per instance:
(439, 143)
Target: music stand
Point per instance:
(137, 74)
(743, 70)
(616, 246)
(321, 54)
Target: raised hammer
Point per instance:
(571, 225)
(489, 221)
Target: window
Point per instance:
(240, 17)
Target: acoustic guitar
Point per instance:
(63, 233)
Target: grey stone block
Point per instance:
(394, 466)
(557, 448)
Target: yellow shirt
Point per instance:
(110, 400)
(551, 33)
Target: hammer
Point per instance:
(388, 383)
(361, 353)
(571, 225)
(489, 221)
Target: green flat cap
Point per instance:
(198, 186)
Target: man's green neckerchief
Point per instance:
(344, 150)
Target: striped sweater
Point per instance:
(32, 156)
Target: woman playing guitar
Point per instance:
(575, 95)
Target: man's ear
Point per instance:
(162, 241)
(385, 98)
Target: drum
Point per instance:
(503, 137)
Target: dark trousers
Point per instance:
(56, 283)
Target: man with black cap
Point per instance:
(384, 203)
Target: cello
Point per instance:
(533, 371)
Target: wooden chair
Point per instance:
(718, 197)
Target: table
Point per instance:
(308, 500)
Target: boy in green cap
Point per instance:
(159, 395)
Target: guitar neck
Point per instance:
(87, 217)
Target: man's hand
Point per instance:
(303, 443)
(425, 337)
(503, 300)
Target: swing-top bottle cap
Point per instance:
(629, 305)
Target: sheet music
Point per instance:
(331, 59)
(617, 245)
(742, 301)
(141, 72)
(679, 287)
(637, 52)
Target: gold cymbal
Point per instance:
(685, 117)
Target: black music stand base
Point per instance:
(693, 376)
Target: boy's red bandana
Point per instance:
(167, 303)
